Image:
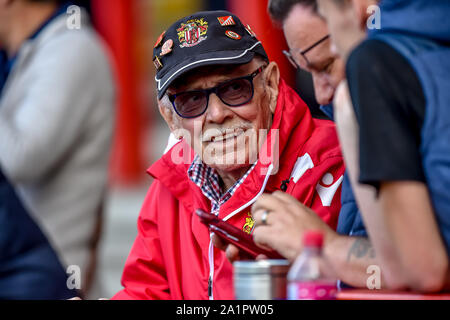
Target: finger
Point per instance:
(284, 197)
(258, 217)
(218, 242)
(232, 253)
(266, 202)
(264, 237)
(276, 206)
(292, 203)
(261, 257)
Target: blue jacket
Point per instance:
(29, 267)
(350, 220)
(420, 31)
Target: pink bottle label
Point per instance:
(312, 291)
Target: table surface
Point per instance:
(360, 294)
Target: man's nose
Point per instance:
(217, 111)
(323, 89)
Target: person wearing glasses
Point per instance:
(241, 131)
(348, 249)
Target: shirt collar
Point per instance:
(328, 110)
(208, 180)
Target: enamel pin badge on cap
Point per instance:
(158, 64)
(226, 21)
(250, 31)
(232, 35)
(167, 47)
(159, 40)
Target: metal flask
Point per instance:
(260, 280)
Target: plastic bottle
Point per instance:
(305, 280)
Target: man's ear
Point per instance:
(360, 12)
(168, 114)
(272, 76)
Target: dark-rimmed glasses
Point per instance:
(303, 53)
(234, 93)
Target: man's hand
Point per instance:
(231, 251)
(286, 221)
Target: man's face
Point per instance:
(223, 135)
(4, 21)
(344, 23)
(302, 29)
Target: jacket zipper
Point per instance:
(210, 288)
(211, 268)
(211, 246)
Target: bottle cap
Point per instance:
(313, 239)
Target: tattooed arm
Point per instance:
(346, 258)
(400, 220)
(350, 259)
(360, 249)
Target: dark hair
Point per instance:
(280, 9)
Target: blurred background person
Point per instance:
(398, 82)
(29, 266)
(56, 123)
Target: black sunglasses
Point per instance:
(303, 53)
(234, 93)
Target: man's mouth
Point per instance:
(229, 134)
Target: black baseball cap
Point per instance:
(203, 39)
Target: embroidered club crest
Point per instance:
(226, 21)
(192, 32)
(248, 226)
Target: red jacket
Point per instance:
(172, 256)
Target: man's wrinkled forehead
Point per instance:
(303, 27)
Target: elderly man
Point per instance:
(219, 94)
